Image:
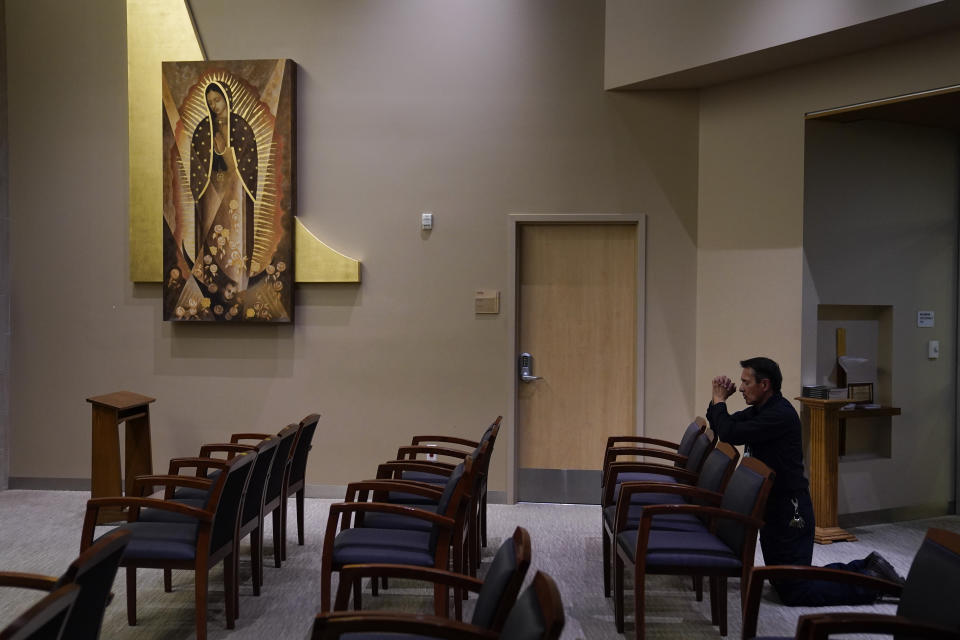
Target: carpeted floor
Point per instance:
(40, 532)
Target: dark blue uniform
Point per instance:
(771, 433)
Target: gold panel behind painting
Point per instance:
(228, 190)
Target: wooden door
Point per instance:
(577, 306)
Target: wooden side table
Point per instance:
(822, 417)
(109, 411)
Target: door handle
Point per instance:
(526, 368)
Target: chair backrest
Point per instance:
(301, 448)
(227, 499)
(46, 619)
(930, 592)
(93, 571)
(690, 434)
(489, 438)
(717, 468)
(259, 476)
(453, 494)
(538, 612)
(285, 441)
(702, 445)
(746, 493)
(503, 581)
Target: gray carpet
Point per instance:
(40, 532)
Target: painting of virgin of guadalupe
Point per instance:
(228, 132)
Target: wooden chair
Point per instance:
(725, 549)
(203, 538)
(536, 615)
(496, 593)
(414, 470)
(345, 544)
(251, 513)
(677, 452)
(616, 472)
(490, 435)
(928, 599)
(93, 572)
(276, 490)
(46, 620)
(634, 496)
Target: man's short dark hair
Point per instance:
(765, 369)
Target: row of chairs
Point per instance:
(418, 518)
(700, 517)
(200, 519)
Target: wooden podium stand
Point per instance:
(822, 416)
(108, 412)
(825, 420)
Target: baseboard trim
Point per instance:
(50, 484)
(897, 514)
(336, 491)
(496, 497)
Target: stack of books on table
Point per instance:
(815, 391)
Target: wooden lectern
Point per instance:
(108, 412)
(822, 416)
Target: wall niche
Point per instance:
(869, 334)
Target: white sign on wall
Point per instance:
(924, 318)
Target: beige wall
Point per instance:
(750, 263)
(651, 38)
(468, 109)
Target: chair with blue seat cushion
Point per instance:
(490, 436)
(203, 539)
(347, 544)
(680, 450)
(536, 615)
(724, 549)
(928, 598)
(93, 572)
(46, 619)
(686, 473)
(711, 481)
(496, 593)
(480, 458)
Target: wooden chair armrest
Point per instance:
(328, 626)
(410, 452)
(27, 580)
(754, 589)
(616, 469)
(168, 482)
(358, 491)
(225, 447)
(352, 572)
(614, 441)
(347, 509)
(200, 464)
(611, 455)
(473, 444)
(395, 468)
(629, 489)
(134, 505)
(237, 437)
(822, 625)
